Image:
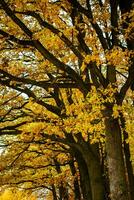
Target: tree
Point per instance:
(67, 71)
(44, 169)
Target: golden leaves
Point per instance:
(116, 111)
(118, 57)
(84, 116)
(16, 194)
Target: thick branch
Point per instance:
(11, 14)
(42, 84)
(125, 87)
(88, 13)
(16, 40)
(28, 92)
(54, 30)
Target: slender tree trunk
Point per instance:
(63, 192)
(115, 159)
(77, 193)
(54, 193)
(129, 170)
(84, 177)
(104, 170)
(127, 160)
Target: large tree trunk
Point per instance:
(115, 159)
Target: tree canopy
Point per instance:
(67, 98)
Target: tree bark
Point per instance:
(54, 193)
(63, 192)
(77, 194)
(127, 160)
(115, 159)
(104, 170)
(90, 154)
(84, 177)
(129, 170)
(95, 173)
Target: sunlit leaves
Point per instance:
(16, 194)
(59, 62)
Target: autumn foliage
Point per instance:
(67, 100)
